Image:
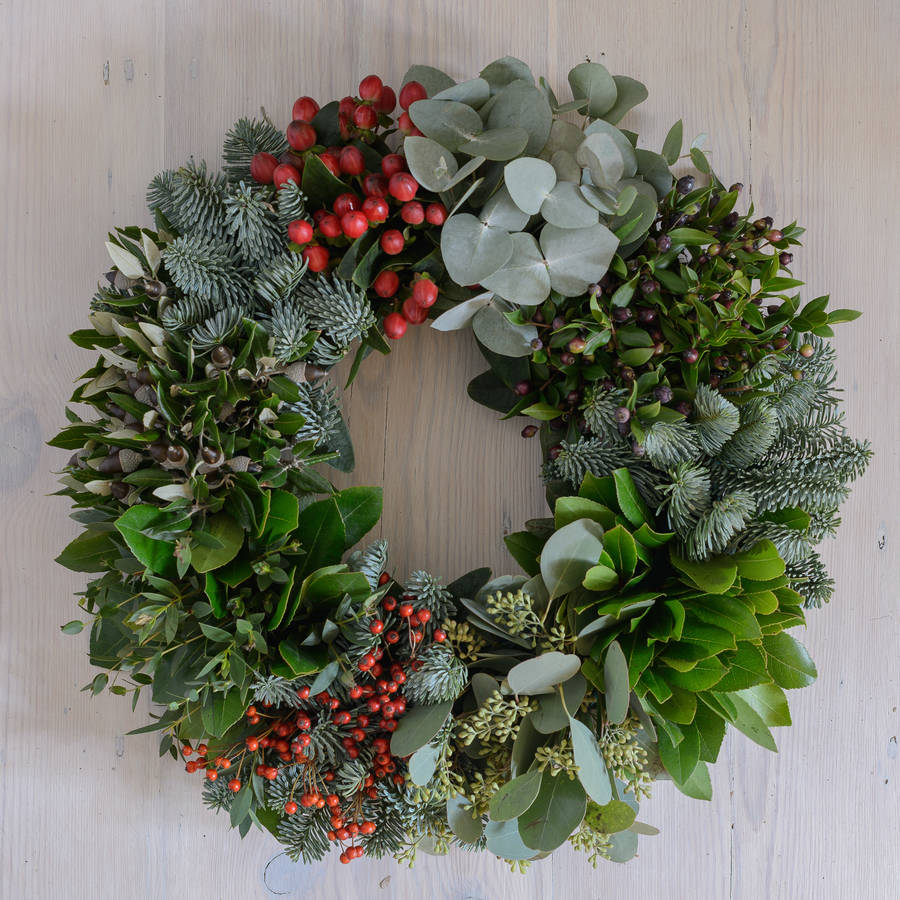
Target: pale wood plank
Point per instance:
(818, 821)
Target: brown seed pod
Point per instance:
(212, 456)
(222, 357)
(176, 455)
(130, 459)
(159, 451)
(109, 464)
(154, 289)
(119, 489)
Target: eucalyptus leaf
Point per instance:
(592, 772)
(522, 105)
(448, 122)
(539, 674)
(501, 212)
(616, 682)
(497, 143)
(600, 154)
(515, 796)
(553, 710)
(566, 207)
(629, 93)
(418, 726)
(566, 166)
(423, 763)
(464, 822)
(433, 80)
(462, 314)
(529, 181)
(430, 163)
(593, 82)
(555, 814)
(497, 333)
(568, 555)
(577, 257)
(624, 145)
(473, 92)
(524, 278)
(502, 72)
(472, 250)
(503, 840)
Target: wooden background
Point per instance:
(800, 100)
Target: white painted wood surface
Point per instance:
(800, 100)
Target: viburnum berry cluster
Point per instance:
(382, 201)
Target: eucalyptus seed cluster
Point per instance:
(588, 840)
(625, 756)
(515, 612)
(497, 719)
(466, 643)
(558, 758)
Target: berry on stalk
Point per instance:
(305, 109)
(351, 161)
(386, 284)
(262, 167)
(354, 224)
(392, 164)
(410, 92)
(332, 163)
(403, 187)
(370, 87)
(285, 173)
(435, 213)
(316, 258)
(300, 231)
(376, 209)
(413, 313)
(392, 242)
(394, 328)
(425, 292)
(365, 117)
(301, 135)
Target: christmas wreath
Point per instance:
(652, 336)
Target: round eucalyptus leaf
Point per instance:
(423, 763)
(654, 169)
(622, 142)
(552, 714)
(569, 553)
(576, 257)
(567, 208)
(593, 82)
(629, 93)
(524, 106)
(622, 846)
(418, 727)
(464, 822)
(497, 143)
(433, 80)
(460, 315)
(483, 685)
(515, 796)
(592, 771)
(497, 333)
(566, 166)
(473, 92)
(524, 746)
(612, 817)
(472, 250)
(563, 136)
(626, 199)
(540, 673)
(502, 72)
(555, 814)
(465, 171)
(643, 209)
(501, 212)
(524, 279)
(446, 121)
(430, 163)
(529, 181)
(599, 199)
(503, 840)
(600, 154)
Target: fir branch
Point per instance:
(810, 578)
(427, 592)
(317, 405)
(305, 834)
(599, 412)
(337, 308)
(198, 200)
(687, 496)
(715, 420)
(291, 203)
(669, 443)
(590, 455)
(160, 194)
(754, 437)
(793, 544)
(276, 690)
(719, 524)
(244, 140)
(252, 225)
(204, 268)
(217, 328)
(289, 329)
(278, 281)
(441, 676)
(371, 562)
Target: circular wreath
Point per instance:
(694, 457)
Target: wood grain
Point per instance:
(799, 100)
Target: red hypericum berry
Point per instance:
(424, 615)
(402, 186)
(400, 703)
(370, 87)
(303, 722)
(234, 785)
(304, 740)
(262, 166)
(362, 721)
(303, 693)
(301, 135)
(392, 637)
(389, 603)
(367, 828)
(375, 209)
(392, 164)
(251, 711)
(388, 724)
(330, 226)
(388, 709)
(387, 101)
(342, 718)
(351, 161)
(345, 203)
(202, 749)
(392, 242)
(316, 258)
(305, 109)
(190, 767)
(187, 750)
(374, 185)
(290, 807)
(300, 231)
(405, 610)
(412, 213)
(383, 579)
(440, 635)
(355, 692)
(386, 285)
(331, 163)
(377, 668)
(354, 224)
(346, 106)
(376, 627)
(366, 662)
(223, 762)
(394, 323)
(410, 92)
(253, 720)
(212, 774)
(344, 858)
(365, 117)
(690, 356)
(406, 126)
(412, 312)
(435, 214)
(416, 636)
(285, 173)
(358, 734)
(425, 293)
(271, 773)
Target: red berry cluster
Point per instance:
(367, 719)
(384, 200)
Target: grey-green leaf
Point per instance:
(418, 727)
(593, 81)
(529, 181)
(464, 822)
(472, 250)
(430, 163)
(540, 673)
(592, 771)
(448, 122)
(555, 814)
(516, 796)
(423, 763)
(615, 680)
(497, 333)
(497, 143)
(569, 553)
(577, 257)
(629, 93)
(524, 279)
(567, 208)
